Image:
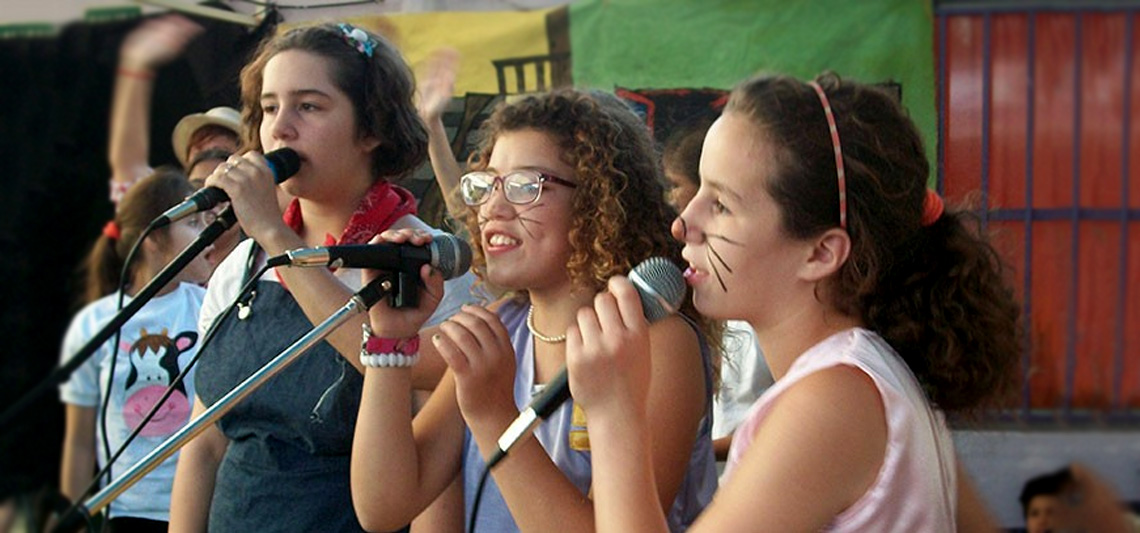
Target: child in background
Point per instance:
(155, 345)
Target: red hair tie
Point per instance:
(111, 230)
(932, 207)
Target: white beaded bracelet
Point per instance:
(388, 360)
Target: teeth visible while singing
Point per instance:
(499, 239)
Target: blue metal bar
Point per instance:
(1027, 279)
(1125, 136)
(987, 94)
(1091, 214)
(943, 94)
(1075, 241)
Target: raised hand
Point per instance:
(436, 83)
(157, 42)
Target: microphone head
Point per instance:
(661, 286)
(451, 255)
(283, 162)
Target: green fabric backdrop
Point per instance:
(715, 43)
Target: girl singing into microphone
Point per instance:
(876, 308)
(564, 194)
(341, 97)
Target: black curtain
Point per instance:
(55, 95)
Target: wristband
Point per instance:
(383, 352)
(135, 73)
(373, 344)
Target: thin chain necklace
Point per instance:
(530, 325)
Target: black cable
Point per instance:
(124, 272)
(479, 491)
(209, 336)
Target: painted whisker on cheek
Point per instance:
(719, 278)
(524, 221)
(716, 254)
(723, 239)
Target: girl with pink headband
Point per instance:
(878, 310)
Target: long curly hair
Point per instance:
(621, 217)
(936, 293)
(380, 87)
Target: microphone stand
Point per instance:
(207, 237)
(359, 303)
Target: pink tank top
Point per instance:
(916, 489)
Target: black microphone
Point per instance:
(661, 287)
(447, 253)
(283, 163)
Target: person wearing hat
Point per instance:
(204, 134)
(201, 141)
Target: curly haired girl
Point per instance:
(564, 194)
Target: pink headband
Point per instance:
(838, 153)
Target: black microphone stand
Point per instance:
(359, 303)
(225, 221)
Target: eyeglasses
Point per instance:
(520, 187)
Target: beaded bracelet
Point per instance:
(380, 352)
(388, 360)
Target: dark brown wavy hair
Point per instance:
(936, 293)
(143, 202)
(380, 88)
(621, 217)
(681, 152)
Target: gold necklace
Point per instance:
(530, 325)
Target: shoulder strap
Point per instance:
(245, 304)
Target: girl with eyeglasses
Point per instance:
(341, 97)
(877, 310)
(564, 194)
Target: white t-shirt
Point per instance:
(155, 345)
(744, 376)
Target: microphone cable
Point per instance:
(209, 336)
(479, 491)
(106, 393)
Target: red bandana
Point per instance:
(382, 205)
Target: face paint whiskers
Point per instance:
(714, 254)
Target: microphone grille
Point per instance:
(661, 286)
(451, 255)
(283, 162)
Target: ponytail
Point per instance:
(950, 315)
(143, 202)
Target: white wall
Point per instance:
(1002, 461)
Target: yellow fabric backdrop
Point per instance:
(480, 38)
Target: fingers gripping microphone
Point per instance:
(283, 162)
(447, 253)
(661, 287)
